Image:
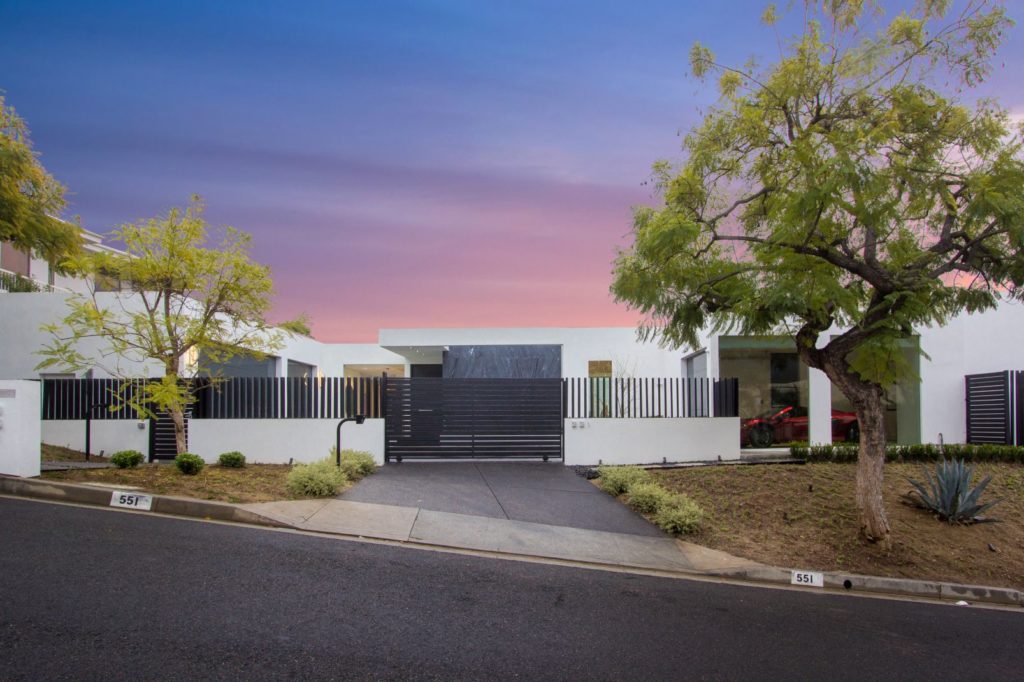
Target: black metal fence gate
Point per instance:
(162, 442)
(466, 418)
(995, 407)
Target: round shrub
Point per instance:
(126, 459)
(679, 515)
(319, 479)
(355, 463)
(648, 498)
(232, 460)
(618, 480)
(189, 464)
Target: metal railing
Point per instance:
(12, 282)
(649, 397)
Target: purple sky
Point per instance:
(427, 164)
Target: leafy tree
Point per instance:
(842, 195)
(30, 199)
(300, 325)
(178, 297)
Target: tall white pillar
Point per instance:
(819, 406)
(20, 428)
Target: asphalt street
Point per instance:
(94, 594)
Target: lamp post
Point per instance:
(358, 419)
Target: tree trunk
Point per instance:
(176, 407)
(178, 417)
(874, 523)
(867, 401)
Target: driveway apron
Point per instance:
(537, 492)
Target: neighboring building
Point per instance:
(22, 271)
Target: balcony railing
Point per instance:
(12, 282)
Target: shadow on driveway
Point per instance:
(537, 492)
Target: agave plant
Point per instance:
(949, 493)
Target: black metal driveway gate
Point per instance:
(466, 418)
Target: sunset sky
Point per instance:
(399, 164)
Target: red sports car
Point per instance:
(787, 424)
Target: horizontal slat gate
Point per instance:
(989, 410)
(162, 443)
(434, 418)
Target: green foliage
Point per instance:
(354, 463)
(300, 325)
(617, 480)
(319, 479)
(949, 493)
(16, 284)
(648, 498)
(679, 515)
(126, 459)
(30, 198)
(914, 453)
(186, 297)
(232, 460)
(836, 186)
(189, 464)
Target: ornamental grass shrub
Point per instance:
(355, 463)
(648, 498)
(618, 480)
(679, 515)
(189, 464)
(232, 460)
(319, 479)
(126, 459)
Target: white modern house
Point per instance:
(797, 403)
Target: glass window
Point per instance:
(374, 370)
(902, 405)
(14, 260)
(773, 387)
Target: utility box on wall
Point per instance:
(20, 431)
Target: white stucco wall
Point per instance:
(107, 435)
(991, 341)
(19, 428)
(275, 441)
(651, 441)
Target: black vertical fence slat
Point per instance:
(341, 397)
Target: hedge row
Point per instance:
(913, 453)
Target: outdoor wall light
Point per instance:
(358, 419)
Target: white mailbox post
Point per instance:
(20, 431)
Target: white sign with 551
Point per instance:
(131, 500)
(807, 579)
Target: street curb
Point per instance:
(162, 504)
(222, 511)
(852, 582)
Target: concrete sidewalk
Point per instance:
(506, 536)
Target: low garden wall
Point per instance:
(275, 441)
(107, 435)
(651, 441)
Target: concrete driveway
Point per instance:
(537, 492)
